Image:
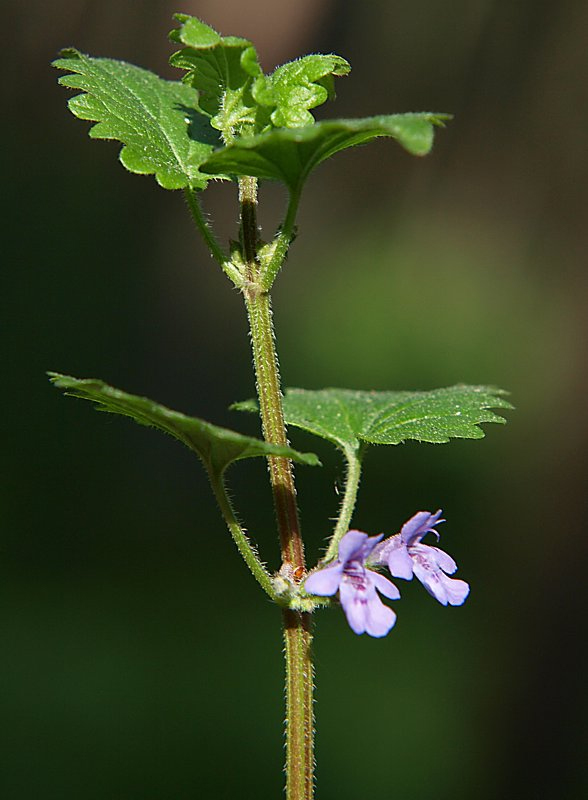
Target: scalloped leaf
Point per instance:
(158, 121)
(222, 69)
(290, 154)
(294, 88)
(217, 447)
(350, 418)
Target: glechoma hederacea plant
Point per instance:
(227, 120)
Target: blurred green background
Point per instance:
(140, 661)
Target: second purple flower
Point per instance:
(405, 556)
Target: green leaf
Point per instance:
(350, 418)
(157, 121)
(239, 98)
(217, 447)
(294, 88)
(222, 68)
(290, 154)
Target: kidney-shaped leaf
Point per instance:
(217, 447)
(348, 418)
(290, 154)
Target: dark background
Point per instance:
(139, 659)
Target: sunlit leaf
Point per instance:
(350, 418)
(222, 69)
(217, 447)
(156, 120)
(294, 88)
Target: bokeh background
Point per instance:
(139, 660)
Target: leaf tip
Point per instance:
(67, 52)
(193, 32)
(440, 119)
(56, 377)
(64, 56)
(244, 405)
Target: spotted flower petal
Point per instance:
(448, 591)
(365, 611)
(405, 556)
(358, 586)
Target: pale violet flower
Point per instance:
(405, 556)
(357, 585)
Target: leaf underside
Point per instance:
(349, 418)
(158, 122)
(217, 447)
(290, 154)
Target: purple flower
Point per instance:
(406, 556)
(357, 585)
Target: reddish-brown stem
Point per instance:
(297, 632)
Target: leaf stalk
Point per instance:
(284, 240)
(240, 538)
(352, 479)
(209, 237)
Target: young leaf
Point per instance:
(349, 418)
(157, 121)
(217, 447)
(239, 98)
(222, 68)
(290, 154)
(294, 88)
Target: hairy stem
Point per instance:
(274, 431)
(297, 635)
(268, 387)
(299, 706)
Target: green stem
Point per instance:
(274, 430)
(269, 391)
(284, 240)
(240, 537)
(211, 241)
(353, 459)
(299, 706)
(297, 635)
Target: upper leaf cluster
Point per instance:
(226, 118)
(239, 98)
